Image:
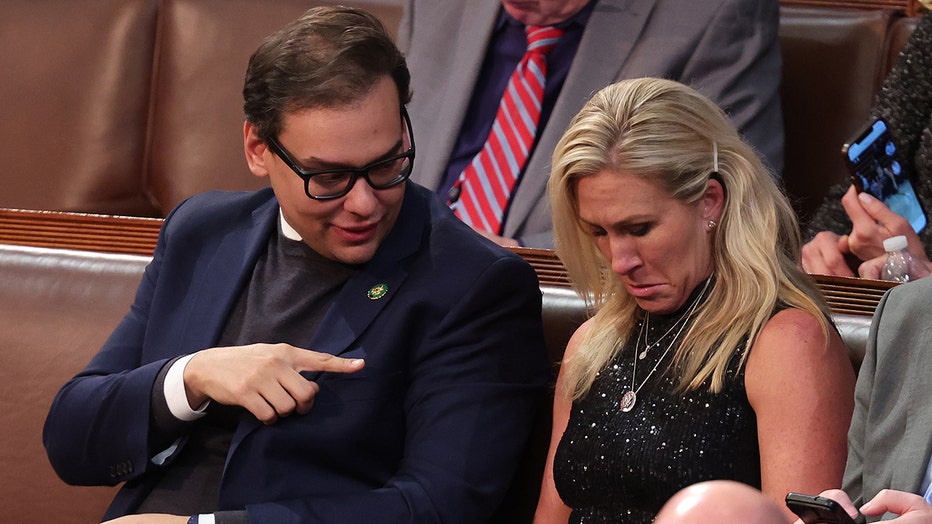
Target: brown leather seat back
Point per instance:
(833, 61)
(899, 33)
(197, 118)
(74, 94)
(57, 307)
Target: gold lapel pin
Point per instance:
(377, 291)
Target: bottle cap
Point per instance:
(896, 243)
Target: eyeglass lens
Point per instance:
(380, 175)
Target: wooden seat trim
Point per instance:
(138, 236)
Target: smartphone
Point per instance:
(813, 509)
(873, 160)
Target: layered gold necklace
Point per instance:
(630, 397)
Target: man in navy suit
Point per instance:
(338, 348)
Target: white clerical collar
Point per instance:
(287, 230)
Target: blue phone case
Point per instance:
(873, 161)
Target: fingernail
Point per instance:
(356, 361)
(865, 197)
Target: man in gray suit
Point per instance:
(460, 58)
(890, 440)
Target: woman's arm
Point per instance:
(550, 507)
(801, 387)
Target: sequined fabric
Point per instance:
(617, 467)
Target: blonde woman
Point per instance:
(711, 355)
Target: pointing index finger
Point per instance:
(308, 360)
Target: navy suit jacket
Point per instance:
(430, 430)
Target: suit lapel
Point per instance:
(476, 24)
(353, 311)
(222, 277)
(369, 291)
(611, 32)
(357, 305)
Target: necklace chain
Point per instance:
(629, 398)
(645, 328)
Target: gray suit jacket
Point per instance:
(890, 440)
(728, 49)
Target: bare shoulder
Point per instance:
(578, 336)
(794, 333)
(793, 349)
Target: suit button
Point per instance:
(122, 469)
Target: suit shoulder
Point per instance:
(214, 210)
(459, 250)
(450, 237)
(910, 297)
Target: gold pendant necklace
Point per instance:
(643, 332)
(630, 397)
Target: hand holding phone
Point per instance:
(872, 158)
(813, 509)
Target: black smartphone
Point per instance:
(813, 509)
(872, 158)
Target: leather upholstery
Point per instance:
(197, 113)
(899, 33)
(74, 98)
(130, 106)
(833, 63)
(57, 307)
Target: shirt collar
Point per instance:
(287, 230)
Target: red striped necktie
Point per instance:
(486, 184)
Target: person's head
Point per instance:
(331, 56)
(641, 181)
(542, 12)
(652, 191)
(719, 501)
(326, 93)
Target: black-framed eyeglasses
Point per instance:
(328, 184)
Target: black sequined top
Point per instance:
(905, 102)
(618, 467)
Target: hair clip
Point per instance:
(715, 156)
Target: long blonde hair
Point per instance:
(665, 133)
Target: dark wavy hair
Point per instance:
(331, 56)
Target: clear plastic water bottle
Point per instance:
(898, 266)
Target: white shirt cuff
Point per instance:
(175, 395)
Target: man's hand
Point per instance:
(825, 255)
(873, 222)
(263, 378)
(911, 508)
